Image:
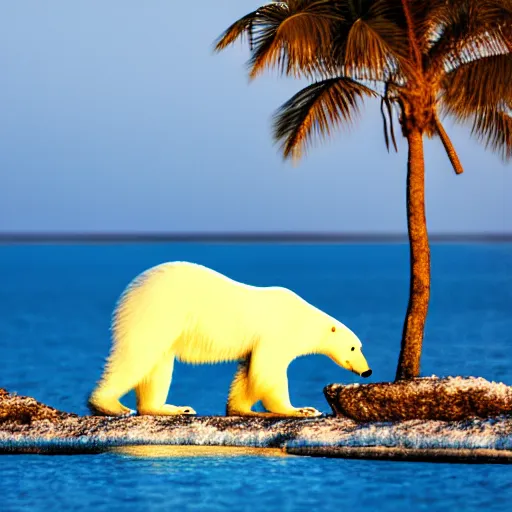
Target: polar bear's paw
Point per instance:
(186, 410)
(168, 410)
(308, 412)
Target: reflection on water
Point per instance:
(181, 451)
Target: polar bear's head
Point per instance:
(344, 348)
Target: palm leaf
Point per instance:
(386, 102)
(293, 36)
(384, 123)
(314, 111)
(494, 128)
(391, 127)
(486, 82)
(425, 21)
(467, 30)
(236, 31)
(480, 92)
(370, 42)
(367, 52)
(490, 125)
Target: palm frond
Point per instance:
(494, 128)
(367, 52)
(388, 131)
(370, 43)
(485, 82)
(391, 125)
(425, 23)
(236, 31)
(466, 30)
(384, 123)
(315, 110)
(293, 36)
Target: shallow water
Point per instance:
(57, 300)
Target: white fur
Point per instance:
(198, 315)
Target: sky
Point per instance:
(116, 116)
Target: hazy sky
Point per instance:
(115, 115)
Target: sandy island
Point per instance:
(27, 426)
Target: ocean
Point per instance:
(57, 300)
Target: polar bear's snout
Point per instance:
(356, 362)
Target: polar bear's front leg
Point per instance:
(152, 391)
(268, 382)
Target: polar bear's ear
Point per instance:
(333, 329)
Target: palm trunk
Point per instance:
(419, 291)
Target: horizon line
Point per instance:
(240, 236)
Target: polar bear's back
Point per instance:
(207, 316)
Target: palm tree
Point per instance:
(422, 59)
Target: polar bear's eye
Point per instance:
(333, 329)
(352, 349)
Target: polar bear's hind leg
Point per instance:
(121, 375)
(125, 369)
(143, 334)
(249, 387)
(240, 401)
(106, 406)
(152, 391)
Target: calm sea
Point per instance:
(56, 302)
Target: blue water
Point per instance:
(56, 302)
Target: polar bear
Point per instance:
(195, 314)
